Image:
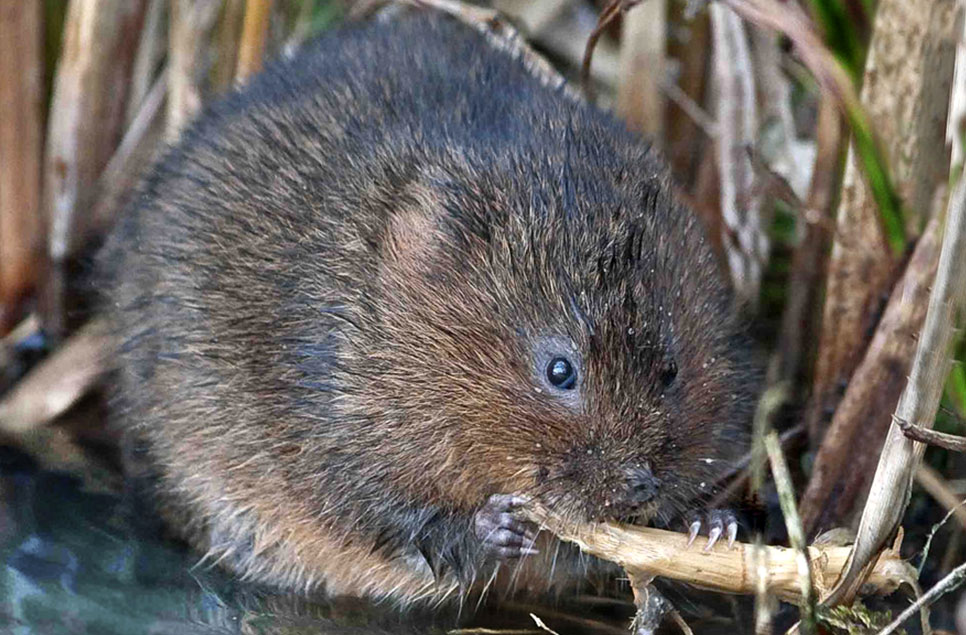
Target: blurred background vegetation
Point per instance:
(819, 141)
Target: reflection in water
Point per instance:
(78, 561)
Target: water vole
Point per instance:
(394, 286)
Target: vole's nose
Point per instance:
(641, 486)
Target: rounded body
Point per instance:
(394, 277)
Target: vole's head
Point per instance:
(570, 339)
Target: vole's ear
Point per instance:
(414, 234)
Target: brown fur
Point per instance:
(335, 292)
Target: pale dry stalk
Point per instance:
(744, 236)
(640, 99)
(892, 484)
(645, 551)
(86, 113)
(190, 23)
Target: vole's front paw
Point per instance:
(716, 522)
(504, 536)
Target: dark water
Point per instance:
(76, 561)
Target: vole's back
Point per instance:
(341, 295)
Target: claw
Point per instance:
(693, 530)
(732, 534)
(713, 536)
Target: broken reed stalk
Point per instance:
(892, 484)
(645, 551)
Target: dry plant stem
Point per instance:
(846, 459)
(924, 555)
(907, 107)
(147, 61)
(9, 341)
(254, 33)
(937, 487)
(908, 78)
(21, 149)
(943, 440)
(796, 537)
(56, 383)
(86, 112)
(702, 120)
(956, 125)
(189, 24)
(951, 582)
(227, 39)
(745, 237)
(684, 144)
(801, 315)
(84, 124)
(607, 15)
(645, 551)
(776, 103)
(900, 456)
(136, 150)
(643, 43)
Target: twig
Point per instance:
(83, 127)
(608, 15)
(932, 532)
(922, 434)
(950, 583)
(647, 551)
(800, 319)
(691, 108)
(228, 36)
(147, 60)
(939, 489)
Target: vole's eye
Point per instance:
(668, 372)
(561, 373)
